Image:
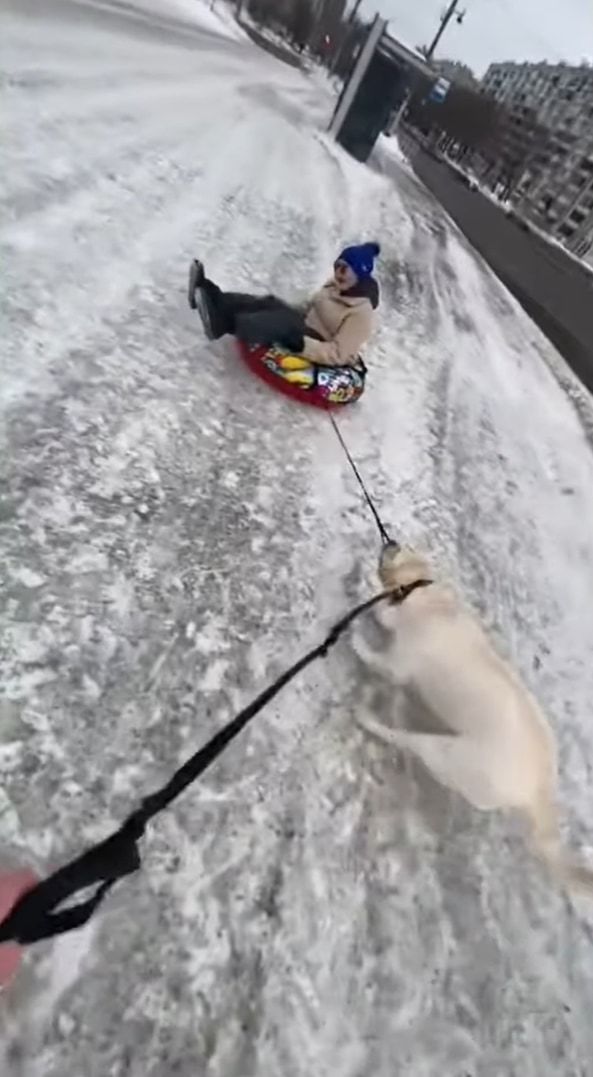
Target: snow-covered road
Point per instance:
(172, 533)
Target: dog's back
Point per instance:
(444, 653)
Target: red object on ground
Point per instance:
(12, 886)
(254, 358)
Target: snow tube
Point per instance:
(323, 386)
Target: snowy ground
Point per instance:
(216, 17)
(173, 533)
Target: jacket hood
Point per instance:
(364, 289)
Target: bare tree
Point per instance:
(262, 11)
(319, 24)
(353, 39)
(464, 122)
(328, 31)
(300, 22)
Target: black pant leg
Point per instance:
(279, 324)
(225, 307)
(238, 303)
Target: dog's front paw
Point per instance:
(394, 737)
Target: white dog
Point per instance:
(496, 748)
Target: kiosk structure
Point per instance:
(378, 85)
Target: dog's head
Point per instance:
(400, 566)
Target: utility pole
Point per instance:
(446, 19)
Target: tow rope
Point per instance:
(37, 915)
(385, 537)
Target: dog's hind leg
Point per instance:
(456, 762)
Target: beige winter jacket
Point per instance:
(344, 321)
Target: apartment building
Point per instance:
(555, 188)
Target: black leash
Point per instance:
(385, 538)
(35, 915)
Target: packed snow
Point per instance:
(173, 533)
(213, 16)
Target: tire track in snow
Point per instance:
(45, 171)
(127, 89)
(168, 190)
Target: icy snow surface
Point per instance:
(216, 17)
(173, 533)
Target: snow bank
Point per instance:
(216, 18)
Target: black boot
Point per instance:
(200, 299)
(196, 279)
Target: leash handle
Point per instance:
(35, 915)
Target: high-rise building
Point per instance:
(555, 189)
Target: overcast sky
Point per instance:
(496, 29)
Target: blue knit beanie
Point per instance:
(361, 259)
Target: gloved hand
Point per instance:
(12, 885)
(293, 340)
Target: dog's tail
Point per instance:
(547, 840)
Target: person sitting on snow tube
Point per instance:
(329, 329)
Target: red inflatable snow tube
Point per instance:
(322, 386)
